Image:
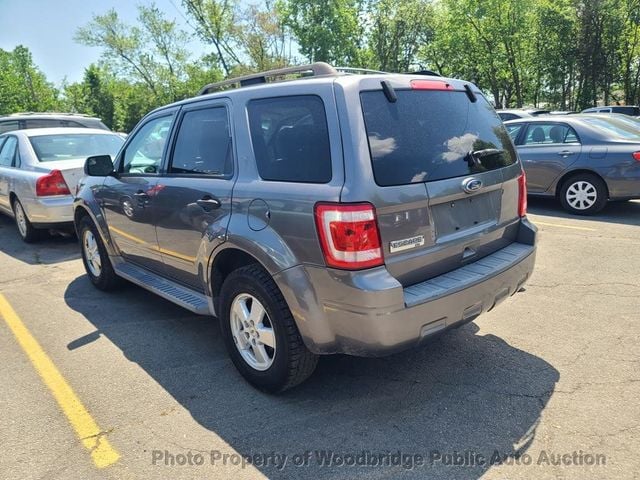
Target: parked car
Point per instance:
(21, 121)
(337, 213)
(520, 113)
(39, 170)
(632, 110)
(583, 160)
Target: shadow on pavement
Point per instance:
(461, 393)
(50, 249)
(626, 213)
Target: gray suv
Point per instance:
(333, 213)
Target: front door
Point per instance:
(192, 205)
(128, 197)
(547, 150)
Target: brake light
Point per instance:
(522, 195)
(430, 85)
(349, 235)
(52, 184)
(636, 156)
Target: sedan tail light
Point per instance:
(349, 235)
(522, 195)
(52, 184)
(636, 156)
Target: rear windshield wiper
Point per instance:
(474, 157)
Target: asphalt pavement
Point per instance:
(126, 385)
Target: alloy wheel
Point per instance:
(252, 332)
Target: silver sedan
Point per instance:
(39, 171)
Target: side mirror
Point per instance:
(98, 166)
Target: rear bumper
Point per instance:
(369, 313)
(49, 212)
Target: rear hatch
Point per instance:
(446, 175)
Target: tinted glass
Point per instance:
(432, 135)
(8, 152)
(203, 145)
(9, 126)
(290, 139)
(550, 133)
(50, 148)
(144, 152)
(45, 123)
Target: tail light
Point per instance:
(349, 235)
(636, 156)
(430, 85)
(52, 184)
(522, 195)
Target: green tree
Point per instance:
(23, 87)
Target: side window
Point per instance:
(203, 144)
(541, 133)
(514, 131)
(290, 139)
(144, 152)
(8, 152)
(44, 123)
(9, 126)
(507, 116)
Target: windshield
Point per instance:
(50, 148)
(432, 135)
(614, 128)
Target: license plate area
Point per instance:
(466, 214)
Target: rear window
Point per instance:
(50, 148)
(614, 128)
(430, 135)
(290, 139)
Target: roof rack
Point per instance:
(20, 114)
(312, 70)
(359, 70)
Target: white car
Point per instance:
(39, 171)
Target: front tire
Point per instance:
(260, 333)
(583, 194)
(95, 257)
(27, 231)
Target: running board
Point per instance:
(178, 294)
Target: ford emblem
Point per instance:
(471, 185)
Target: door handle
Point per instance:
(207, 203)
(141, 195)
(565, 153)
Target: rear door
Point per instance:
(546, 150)
(445, 172)
(192, 203)
(8, 156)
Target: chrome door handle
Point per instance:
(208, 203)
(566, 153)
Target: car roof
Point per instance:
(340, 78)
(45, 115)
(36, 132)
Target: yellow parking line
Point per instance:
(87, 430)
(564, 226)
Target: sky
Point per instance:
(47, 28)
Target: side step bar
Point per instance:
(176, 293)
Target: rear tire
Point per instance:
(27, 231)
(288, 362)
(95, 257)
(583, 194)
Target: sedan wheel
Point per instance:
(27, 231)
(584, 194)
(581, 195)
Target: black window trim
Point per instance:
(16, 152)
(168, 161)
(119, 162)
(326, 120)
